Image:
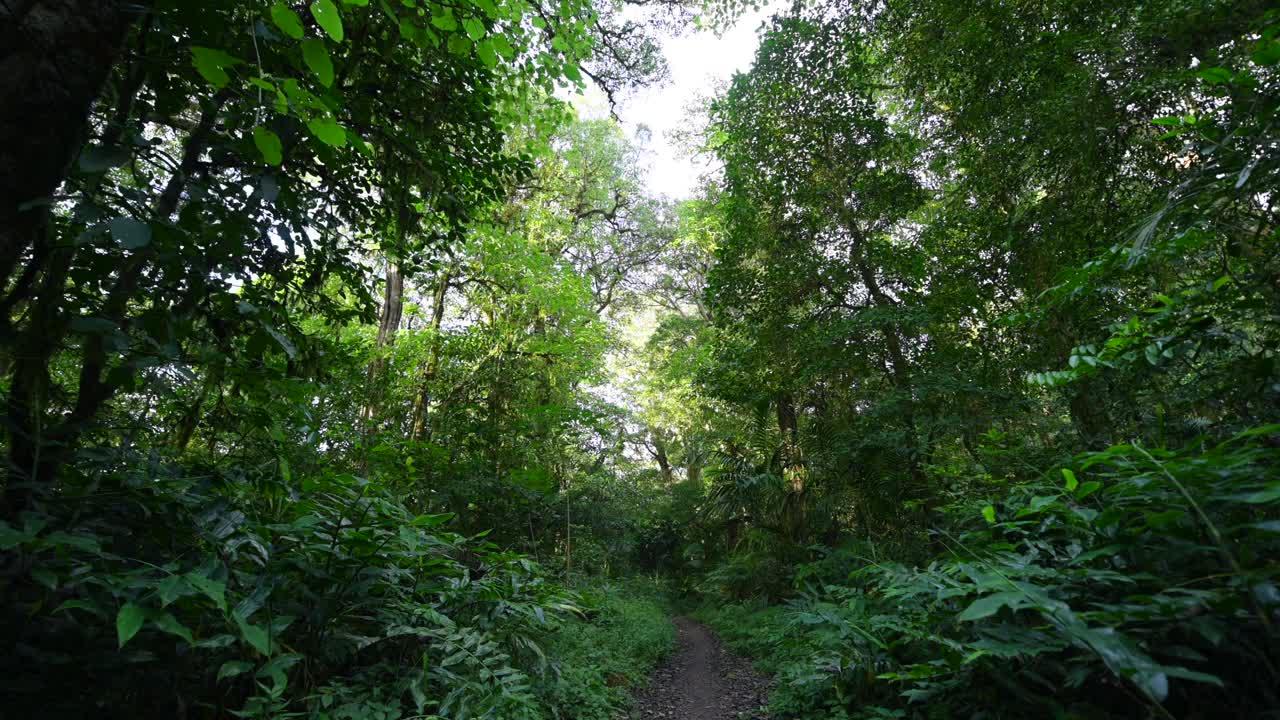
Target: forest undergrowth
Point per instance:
(353, 368)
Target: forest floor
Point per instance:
(702, 681)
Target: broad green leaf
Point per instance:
(1269, 495)
(431, 520)
(98, 158)
(459, 45)
(269, 145)
(503, 47)
(328, 131)
(287, 20)
(172, 588)
(445, 20)
(486, 53)
(474, 28)
(1072, 483)
(287, 345)
(254, 635)
(1037, 504)
(1087, 489)
(128, 622)
(1214, 75)
(1267, 53)
(989, 512)
(212, 65)
(232, 668)
(130, 233)
(170, 624)
(328, 18)
(316, 56)
(212, 589)
(990, 605)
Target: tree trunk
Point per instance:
(55, 56)
(38, 447)
(899, 367)
(422, 403)
(388, 324)
(664, 462)
(794, 472)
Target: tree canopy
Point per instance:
(352, 369)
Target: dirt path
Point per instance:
(701, 681)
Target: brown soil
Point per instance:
(702, 681)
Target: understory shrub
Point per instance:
(168, 591)
(1139, 583)
(603, 654)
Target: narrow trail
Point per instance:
(702, 681)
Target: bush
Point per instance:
(178, 590)
(1143, 583)
(623, 634)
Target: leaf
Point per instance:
(1267, 53)
(168, 623)
(328, 131)
(212, 64)
(445, 20)
(1038, 503)
(285, 343)
(328, 17)
(98, 158)
(88, 326)
(486, 53)
(1087, 489)
(316, 55)
(254, 635)
(214, 590)
(431, 520)
(269, 145)
(1214, 75)
(474, 28)
(131, 234)
(989, 605)
(1153, 354)
(232, 668)
(172, 588)
(989, 512)
(287, 20)
(1269, 495)
(1072, 483)
(128, 622)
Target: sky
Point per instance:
(701, 63)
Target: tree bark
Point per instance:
(899, 367)
(55, 56)
(38, 446)
(388, 324)
(794, 472)
(422, 403)
(664, 462)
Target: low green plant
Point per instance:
(172, 593)
(607, 651)
(1141, 582)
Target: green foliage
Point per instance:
(1147, 587)
(612, 650)
(331, 597)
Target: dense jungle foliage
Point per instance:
(351, 372)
